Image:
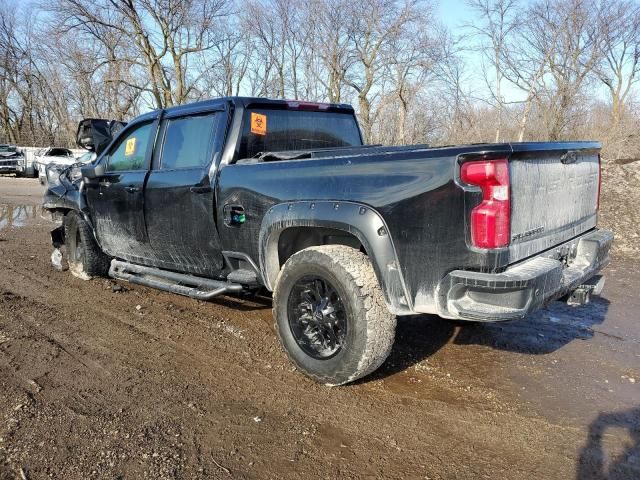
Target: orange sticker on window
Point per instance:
(258, 123)
(130, 147)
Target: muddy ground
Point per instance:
(101, 383)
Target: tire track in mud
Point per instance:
(100, 311)
(146, 331)
(376, 388)
(206, 372)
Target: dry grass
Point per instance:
(620, 206)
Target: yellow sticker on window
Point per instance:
(258, 123)
(130, 147)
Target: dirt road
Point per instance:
(98, 382)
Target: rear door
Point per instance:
(179, 198)
(116, 199)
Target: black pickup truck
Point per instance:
(238, 194)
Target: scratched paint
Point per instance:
(416, 193)
(418, 196)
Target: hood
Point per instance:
(10, 154)
(58, 160)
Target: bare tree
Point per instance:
(454, 101)
(373, 26)
(412, 55)
(566, 35)
(498, 20)
(229, 61)
(167, 34)
(546, 64)
(328, 53)
(619, 65)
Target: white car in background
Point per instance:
(53, 170)
(52, 155)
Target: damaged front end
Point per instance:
(64, 188)
(63, 194)
(65, 184)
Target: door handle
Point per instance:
(132, 189)
(205, 189)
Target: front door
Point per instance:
(179, 198)
(116, 200)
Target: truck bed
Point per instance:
(418, 192)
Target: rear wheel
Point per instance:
(84, 256)
(330, 314)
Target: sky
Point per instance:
(455, 14)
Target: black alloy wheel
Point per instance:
(317, 317)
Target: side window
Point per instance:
(130, 152)
(188, 142)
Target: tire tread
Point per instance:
(96, 263)
(380, 322)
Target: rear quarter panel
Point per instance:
(415, 192)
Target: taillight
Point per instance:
(491, 220)
(296, 105)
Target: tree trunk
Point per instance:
(525, 117)
(402, 120)
(365, 117)
(499, 99)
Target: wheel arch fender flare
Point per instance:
(359, 220)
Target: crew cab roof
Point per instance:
(244, 102)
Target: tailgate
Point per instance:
(554, 195)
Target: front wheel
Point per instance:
(331, 315)
(84, 256)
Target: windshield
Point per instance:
(7, 148)
(86, 157)
(59, 152)
(266, 130)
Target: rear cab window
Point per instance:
(273, 130)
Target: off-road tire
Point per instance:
(370, 328)
(84, 256)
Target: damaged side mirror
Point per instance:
(92, 171)
(95, 134)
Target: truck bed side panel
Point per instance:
(415, 193)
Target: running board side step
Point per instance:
(180, 283)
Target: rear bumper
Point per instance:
(527, 286)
